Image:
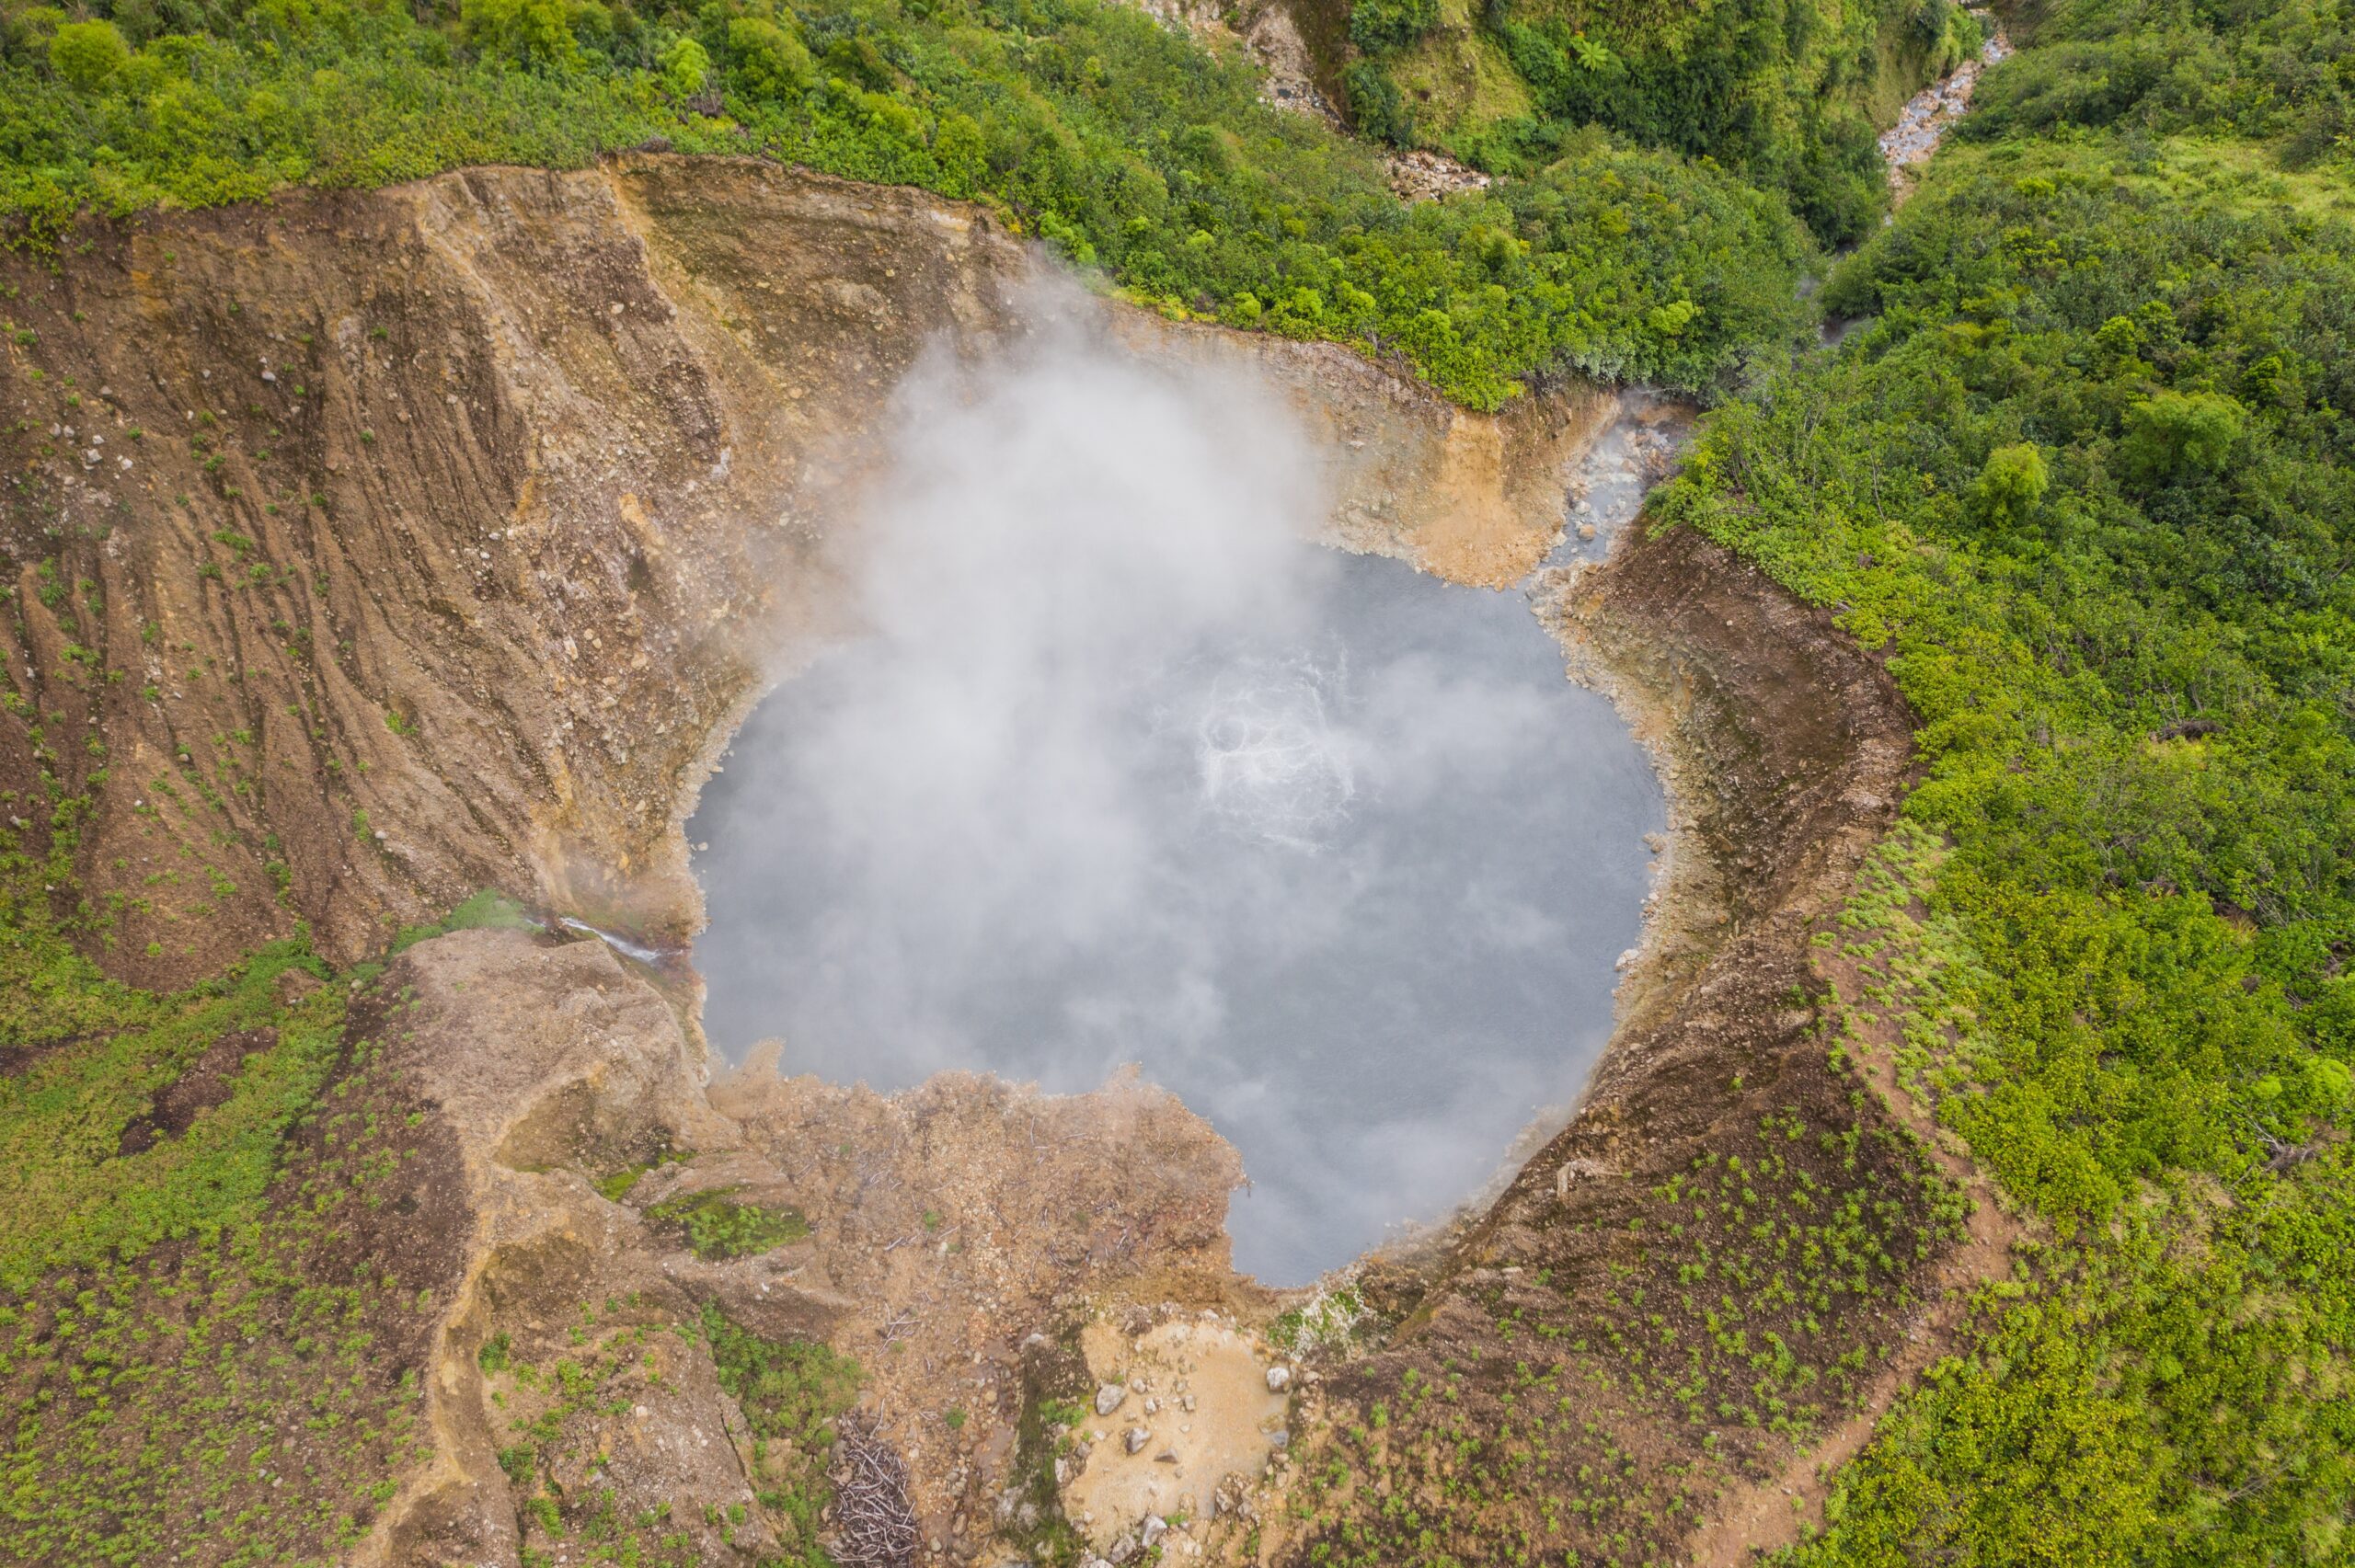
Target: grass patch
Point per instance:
(620, 1183)
(68, 1197)
(715, 1225)
(486, 910)
(792, 1393)
(1460, 80)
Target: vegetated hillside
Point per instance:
(1789, 93)
(2088, 478)
(1091, 124)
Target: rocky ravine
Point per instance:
(442, 534)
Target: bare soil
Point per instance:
(1198, 1420)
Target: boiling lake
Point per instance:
(1123, 772)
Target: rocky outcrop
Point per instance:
(931, 1234)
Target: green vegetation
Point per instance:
(73, 1188)
(1047, 1425)
(1332, 1318)
(2087, 479)
(715, 1226)
(486, 910)
(213, 1288)
(49, 990)
(792, 1393)
(247, 1385)
(1790, 96)
(2270, 73)
(619, 1185)
(1084, 122)
(81, 1183)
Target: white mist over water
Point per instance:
(1272, 763)
(1126, 769)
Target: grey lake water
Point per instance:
(1125, 771)
(1397, 860)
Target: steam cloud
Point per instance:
(1127, 768)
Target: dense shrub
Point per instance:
(1786, 92)
(2271, 69)
(2011, 485)
(2120, 600)
(83, 54)
(528, 32)
(686, 66)
(1377, 109)
(2176, 433)
(770, 63)
(1377, 25)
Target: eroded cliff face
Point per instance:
(435, 533)
(371, 550)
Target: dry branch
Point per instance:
(875, 1527)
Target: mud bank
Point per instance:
(438, 537)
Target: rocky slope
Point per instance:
(423, 531)
(932, 1236)
(386, 547)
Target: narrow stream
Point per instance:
(1926, 118)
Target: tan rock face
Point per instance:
(552, 1065)
(945, 1227)
(1476, 499)
(452, 524)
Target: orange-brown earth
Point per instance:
(368, 550)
